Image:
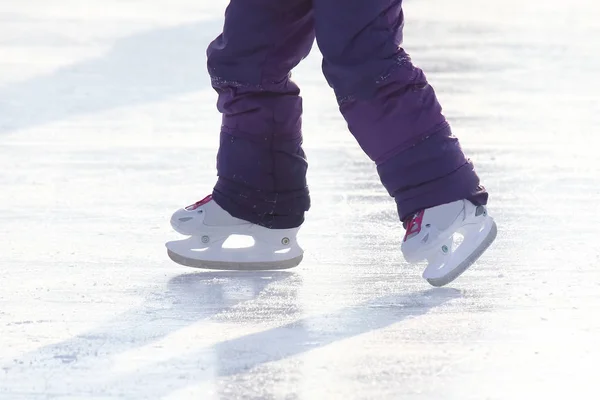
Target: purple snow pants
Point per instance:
(390, 108)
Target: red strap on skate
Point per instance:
(199, 203)
(414, 226)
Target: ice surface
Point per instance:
(108, 123)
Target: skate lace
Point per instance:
(199, 203)
(414, 225)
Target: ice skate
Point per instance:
(450, 237)
(220, 241)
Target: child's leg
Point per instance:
(389, 106)
(261, 164)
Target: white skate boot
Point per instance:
(220, 241)
(450, 237)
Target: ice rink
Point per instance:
(108, 124)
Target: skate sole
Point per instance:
(235, 266)
(458, 271)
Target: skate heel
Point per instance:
(459, 252)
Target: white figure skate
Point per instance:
(220, 241)
(450, 237)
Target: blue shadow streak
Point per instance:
(143, 68)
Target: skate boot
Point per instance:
(450, 237)
(217, 240)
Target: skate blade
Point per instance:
(462, 267)
(235, 266)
